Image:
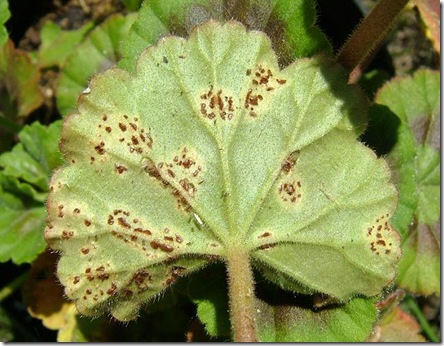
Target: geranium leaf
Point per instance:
(415, 159)
(20, 229)
(289, 24)
(4, 16)
(24, 178)
(397, 326)
(57, 44)
(285, 317)
(99, 51)
(157, 18)
(430, 12)
(19, 82)
(32, 160)
(207, 146)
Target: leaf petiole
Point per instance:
(241, 295)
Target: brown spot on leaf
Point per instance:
(177, 271)
(112, 290)
(213, 105)
(144, 231)
(264, 235)
(288, 165)
(122, 127)
(103, 277)
(100, 148)
(110, 220)
(127, 294)
(122, 222)
(266, 246)
(67, 234)
(141, 276)
(120, 168)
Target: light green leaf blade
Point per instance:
(57, 44)
(326, 204)
(181, 158)
(415, 159)
(4, 16)
(99, 51)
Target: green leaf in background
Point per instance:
(19, 83)
(57, 44)
(289, 24)
(132, 5)
(163, 174)
(32, 160)
(430, 11)
(283, 316)
(415, 160)
(6, 325)
(98, 52)
(25, 173)
(293, 31)
(4, 16)
(397, 326)
(157, 18)
(20, 229)
(208, 290)
(350, 322)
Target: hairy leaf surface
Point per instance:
(209, 145)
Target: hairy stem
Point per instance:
(359, 48)
(241, 296)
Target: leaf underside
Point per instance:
(208, 146)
